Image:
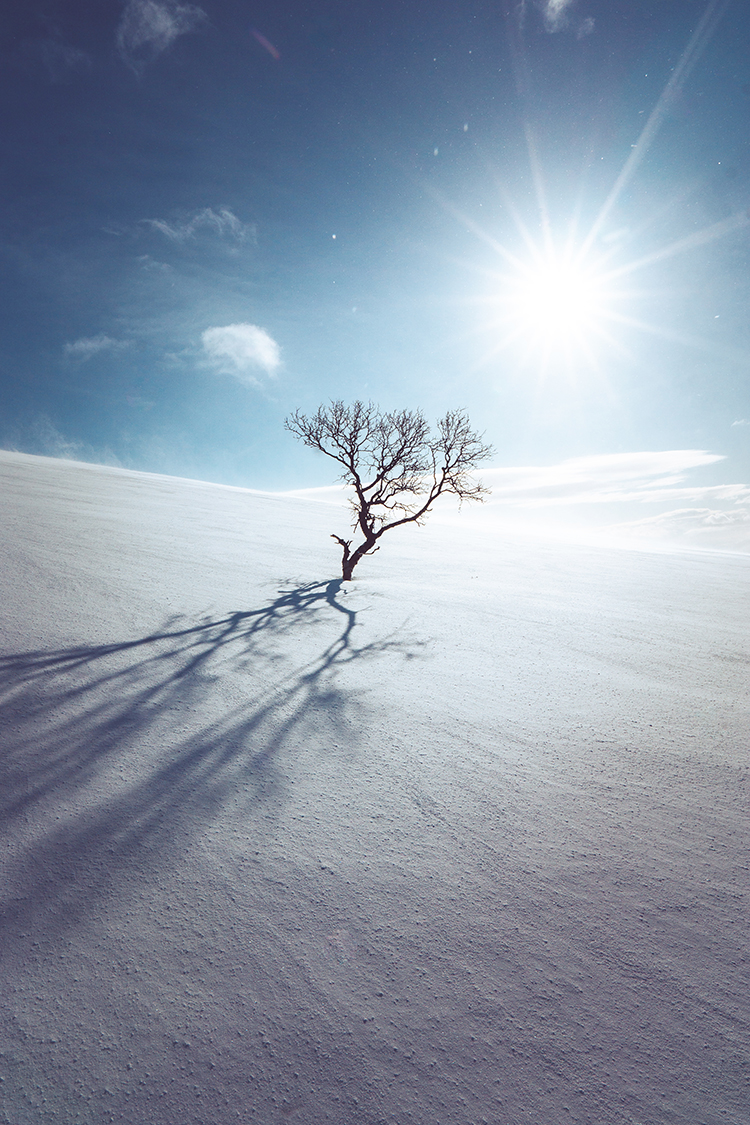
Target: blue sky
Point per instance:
(216, 213)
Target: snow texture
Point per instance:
(463, 841)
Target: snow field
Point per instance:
(462, 841)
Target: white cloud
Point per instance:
(89, 346)
(585, 28)
(148, 27)
(221, 222)
(741, 422)
(241, 349)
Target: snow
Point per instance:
(462, 841)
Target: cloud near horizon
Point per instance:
(89, 346)
(650, 476)
(240, 350)
(696, 527)
(148, 27)
(42, 438)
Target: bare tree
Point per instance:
(395, 465)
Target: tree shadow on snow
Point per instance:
(129, 748)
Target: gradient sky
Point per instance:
(215, 213)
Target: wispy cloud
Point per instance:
(41, 437)
(241, 350)
(151, 265)
(60, 59)
(88, 346)
(51, 442)
(149, 27)
(742, 422)
(222, 222)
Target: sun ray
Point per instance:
(538, 180)
(523, 230)
(473, 226)
(698, 238)
(697, 44)
(689, 341)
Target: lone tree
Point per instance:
(395, 465)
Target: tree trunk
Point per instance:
(349, 562)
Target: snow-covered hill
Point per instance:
(462, 841)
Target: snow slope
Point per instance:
(463, 841)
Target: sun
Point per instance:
(557, 300)
(555, 309)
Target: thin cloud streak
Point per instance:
(221, 222)
(87, 347)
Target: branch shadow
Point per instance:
(119, 753)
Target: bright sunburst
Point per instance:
(557, 300)
(556, 309)
(563, 298)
